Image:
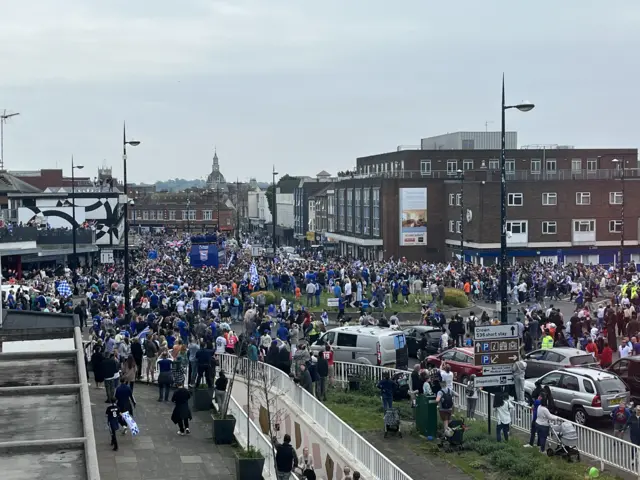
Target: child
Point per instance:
(468, 342)
(114, 419)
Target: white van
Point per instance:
(367, 345)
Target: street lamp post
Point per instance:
(523, 107)
(3, 119)
(127, 287)
(238, 211)
(274, 213)
(74, 225)
(188, 215)
(461, 176)
(621, 165)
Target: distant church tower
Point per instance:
(216, 180)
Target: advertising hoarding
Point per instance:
(413, 216)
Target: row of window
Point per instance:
(549, 227)
(535, 165)
(551, 198)
(363, 200)
(171, 215)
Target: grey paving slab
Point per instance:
(158, 453)
(26, 373)
(38, 417)
(44, 465)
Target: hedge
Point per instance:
(455, 298)
(269, 296)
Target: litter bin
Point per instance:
(427, 415)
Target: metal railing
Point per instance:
(568, 174)
(378, 465)
(598, 446)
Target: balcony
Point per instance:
(65, 237)
(18, 234)
(528, 176)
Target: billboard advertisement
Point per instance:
(413, 216)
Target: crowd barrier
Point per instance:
(603, 448)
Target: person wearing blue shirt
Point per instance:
(164, 376)
(534, 411)
(337, 291)
(283, 332)
(386, 387)
(153, 301)
(318, 293)
(171, 340)
(184, 330)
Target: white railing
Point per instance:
(599, 446)
(378, 465)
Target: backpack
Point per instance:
(446, 402)
(470, 390)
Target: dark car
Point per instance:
(540, 362)
(414, 336)
(628, 369)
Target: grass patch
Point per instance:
(482, 458)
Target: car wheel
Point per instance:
(580, 416)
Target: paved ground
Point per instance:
(400, 451)
(158, 453)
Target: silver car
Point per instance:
(581, 393)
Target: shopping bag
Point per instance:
(131, 423)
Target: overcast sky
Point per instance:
(305, 85)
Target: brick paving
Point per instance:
(158, 453)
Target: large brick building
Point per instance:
(564, 204)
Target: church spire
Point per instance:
(216, 164)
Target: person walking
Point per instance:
(111, 371)
(136, 351)
(386, 387)
(503, 409)
(181, 413)
(204, 357)
(192, 350)
(97, 360)
(124, 399)
(471, 394)
(221, 390)
(286, 459)
(114, 420)
(151, 351)
(543, 422)
(534, 413)
(322, 369)
(164, 376)
(129, 371)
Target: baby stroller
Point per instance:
(565, 436)
(392, 421)
(453, 437)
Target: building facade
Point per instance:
(304, 209)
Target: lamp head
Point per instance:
(525, 106)
(133, 143)
(79, 167)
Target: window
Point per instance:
(458, 226)
(569, 382)
(552, 379)
(425, 167)
(347, 340)
(452, 226)
(588, 386)
(145, 215)
(458, 199)
(584, 225)
(515, 200)
(517, 226)
(452, 167)
(467, 164)
(207, 215)
(592, 164)
(549, 228)
(358, 213)
(366, 211)
(615, 198)
(468, 144)
(192, 214)
(376, 212)
(172, 214)
(349, 209)
(536, 165)
(152, 215)
(576, 165)
(549, 198)
(615, 226)
(448, 355)
(550, 165)
(452, 199)
(583, 198)
(510, 165)
(494, 164)
(341, 223)
(160, 214)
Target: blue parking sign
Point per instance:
(486, 360)
(486, 347)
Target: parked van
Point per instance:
(367, 345)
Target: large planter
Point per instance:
(222, 430)
(249, 468)
(202, 398)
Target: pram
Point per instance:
(392, 421)
(453, 437)
(565, 436)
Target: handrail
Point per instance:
(602, 447)
(379, 465)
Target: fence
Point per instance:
(380, 466)
(601, 447)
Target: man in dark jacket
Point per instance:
(110, 369)
(322, 368)
(305, 380)
(286, 459)
(204, 356)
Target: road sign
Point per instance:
(495, 346)
(494, 381)
(497, 370)
(106, 256)
(333, 302)
(501, 358)
(495, 332)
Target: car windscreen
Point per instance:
(610, 386)
(434, 335)
(582, 360)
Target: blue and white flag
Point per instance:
(64, 289)
(143, 334)
(253, 271)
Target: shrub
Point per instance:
(455, 298)
(270, 296)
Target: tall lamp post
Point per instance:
(74, 225)
(188, 215)
(461, 177)
(620, 164)
(127, 287)
(523, 107)
(3, 119)
(275, 209)
(237, 211)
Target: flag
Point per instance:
(253, 271)
(143, 334)
(64, 289)
(448, 269)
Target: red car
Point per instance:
(460, 360)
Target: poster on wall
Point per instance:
(413, 216)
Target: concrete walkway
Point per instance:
(158, 453)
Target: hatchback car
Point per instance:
(581, 393)
(540, 362)
(628, 369)
(416, 334)
(461, 361)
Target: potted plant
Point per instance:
(202, 398)
(222, 429)
(249, 463)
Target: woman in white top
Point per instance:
(543, 419)
(471, 394)
(305, 463)
(503, 408)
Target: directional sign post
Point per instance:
(496, 348)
